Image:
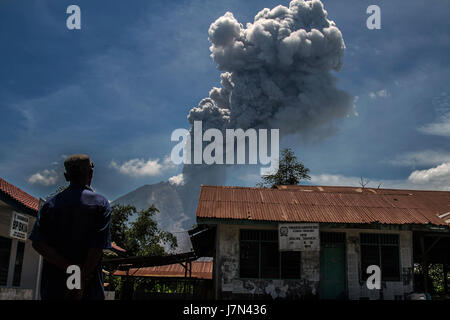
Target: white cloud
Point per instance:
(142, 168)
(334, 180)
(437, 178)
(383, 93)
(379, 94)
(177, 180)
(439, 174)
(355, 100)
(439, 128)
(420, 158)
(45, 178)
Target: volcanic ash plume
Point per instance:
(276, 74)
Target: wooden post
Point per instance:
(424, 264)
(445, 269)
(190, 276)
(126, 292)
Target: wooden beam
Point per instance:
(442, 235)
(445, 269)
(424, 264)
(430, 247)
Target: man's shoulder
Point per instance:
(97, 197)
(78, 195)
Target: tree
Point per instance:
(364, 182)
(290, 171)
(145, 238)
(120, 215)
(141, 237)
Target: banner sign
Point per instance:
(298, 237)
(19, 226)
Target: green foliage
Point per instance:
(141, 237)
(120, 214)
(436, 273)
(145, 238)
(290, 171)
(435, 278)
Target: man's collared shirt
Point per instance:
(72, 222)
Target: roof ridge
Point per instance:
(17, 194)
(292, 188)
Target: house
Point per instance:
(309, 242)
(19, 262)
(200, 270)
(165, 277)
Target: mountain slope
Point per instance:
(166, 198)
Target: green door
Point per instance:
(332, 266)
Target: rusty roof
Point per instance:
(323, 204)
(19, 196)
(200, 270)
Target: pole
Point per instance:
(37, 288)
(424, 263)
(445, 269)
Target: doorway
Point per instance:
(333, 279)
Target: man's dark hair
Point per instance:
(78, 166)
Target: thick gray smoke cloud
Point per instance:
(276, 74)
(277, 71)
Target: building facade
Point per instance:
(356, 229)
(19, 263)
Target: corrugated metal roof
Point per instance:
(200, 270)
(323, 204)
(19, 195)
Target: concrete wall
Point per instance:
(390, 289)
(30, 266)
(229, 286)
(16, 294)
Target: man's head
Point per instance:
(79, 169)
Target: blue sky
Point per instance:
(118, 87)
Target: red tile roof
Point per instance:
(323, 204)
(200, 270)
(19, 195)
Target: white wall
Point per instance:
(358, 289)
(30, 264)
(228, 283)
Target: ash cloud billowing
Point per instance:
(277, 73)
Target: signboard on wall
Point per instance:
(298, 237)
(19, 226)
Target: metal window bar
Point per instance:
(382, 240)
(268, 236)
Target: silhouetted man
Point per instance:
(73, 229)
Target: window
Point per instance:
(18, 264)
(5, 252)
(381, 250)
(260, 258)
